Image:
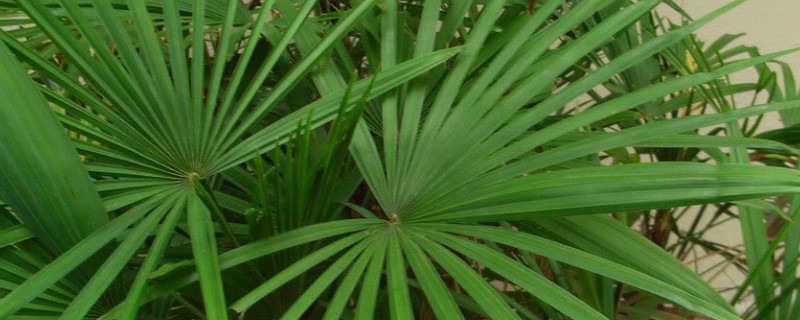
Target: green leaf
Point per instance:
(603, 236)
(298, 268)
(71, 259)
(527, 279)
(12, 235)
(326, 108)
(345, 289)
(691, 141)
(619, 188)
(42, 178)
(115, 262)
(324, 280)
(204, 251)
(436, 291)
(397, 286)
(624, 138)
(589, 262)
(368, 297)
(484, 294)
(154, 254)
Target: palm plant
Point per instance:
(663, 226)
(285, 159)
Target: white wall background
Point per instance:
(771, 25)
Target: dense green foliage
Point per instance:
(380, 159)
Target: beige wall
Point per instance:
(771, 25)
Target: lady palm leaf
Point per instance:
(169, 118)
(421, 193)
(46, 179)
(155, 123)
(380, 180)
